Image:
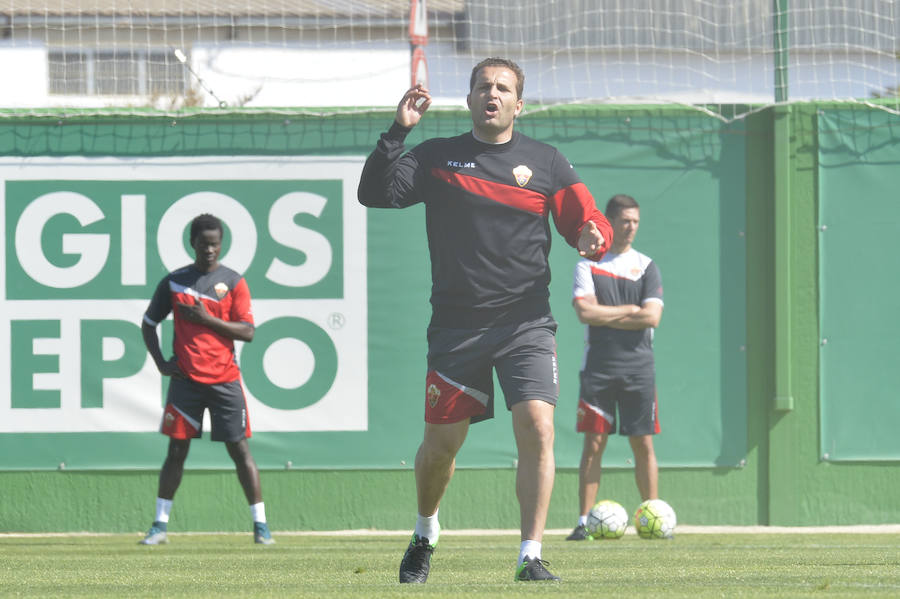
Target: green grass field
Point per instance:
(306, 566)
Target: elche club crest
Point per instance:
(433, 395)
(522, 174)
(221, 290)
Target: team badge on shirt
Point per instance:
(221, 290)
(433, 395)
(522, 174)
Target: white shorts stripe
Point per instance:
(475, 394)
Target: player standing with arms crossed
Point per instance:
(487, 196)
(211, 307)
(620, 298)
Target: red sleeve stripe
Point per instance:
(572, 207)
(523, 199)
(604, 273)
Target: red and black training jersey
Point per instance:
(487, 210)
(204, 355)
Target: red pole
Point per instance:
(418, 38)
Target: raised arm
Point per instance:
(414, 103)
(388, 177)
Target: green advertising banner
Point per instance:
(86, 243)
(335, 374)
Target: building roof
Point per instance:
(328, 9)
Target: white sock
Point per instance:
(163, 507)
(530, 549)
(582, 520)
(258, 512)
(428, 527)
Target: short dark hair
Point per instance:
(205, 222)
(618, 203)
(500, 62)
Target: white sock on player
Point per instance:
(258, 512)
(428, 527)
(531, 549)
(163, 507)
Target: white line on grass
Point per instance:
(681, 529)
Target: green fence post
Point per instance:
(784, 401)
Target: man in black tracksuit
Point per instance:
(488, 196)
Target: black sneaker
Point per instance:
(416, 561)
(579, 534)
(534, 569)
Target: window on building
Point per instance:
(134, 72)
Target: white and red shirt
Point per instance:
(618, 279)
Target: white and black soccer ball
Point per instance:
(607, 520)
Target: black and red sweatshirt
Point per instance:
(486, 213)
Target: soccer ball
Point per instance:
(655, 519)
(607, 520)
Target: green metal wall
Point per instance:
(858, 222)
(781, 480)
(802, 487)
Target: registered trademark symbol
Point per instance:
(336, 320)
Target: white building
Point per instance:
(342, 53)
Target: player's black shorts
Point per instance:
(186, 401)
(634, 395)
(461, 362)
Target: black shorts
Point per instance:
(186, 401)
(634, 395)
(460, 381)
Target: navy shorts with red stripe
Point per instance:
(633, 395)
(460, 382)
(186, 401)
